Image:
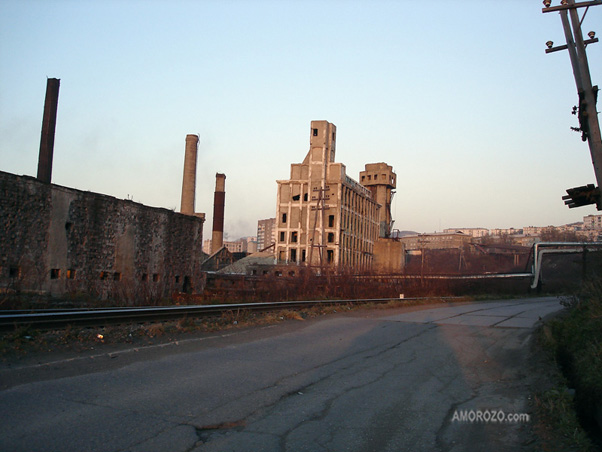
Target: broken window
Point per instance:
(330, 237)
(294, 235)
(282, 236)
(296, 197)
(70, 273)
(103, 275)
(55, 273)
(329, 256)
(284, 218)
(187, 288)
(293, 255)
(331, 221)
(14, 272)
(144, 277)
(315, 132)
(305, 197)
(116, 276)
(155, 277)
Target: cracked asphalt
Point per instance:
(381, 380)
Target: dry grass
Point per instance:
(28, 340)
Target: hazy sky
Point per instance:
(458, 96)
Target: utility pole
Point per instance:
(588, 95)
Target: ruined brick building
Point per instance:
(324, 217)
(61, 240)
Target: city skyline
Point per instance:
(461, 101)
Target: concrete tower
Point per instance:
(219, 201)
(381, 180)
(189, 179)
(48, 129)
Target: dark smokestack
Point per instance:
(189, 179)
(48, 127)
(219, 201)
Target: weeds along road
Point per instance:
(420, 379)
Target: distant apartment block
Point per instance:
(242, 245)
(505, 231)
(592, 222)
(436, 241)
(473, 232)
(324, 217)
(266, 233)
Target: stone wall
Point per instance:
(60, 240)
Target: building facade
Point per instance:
(266, 233)
(324, 217)
(60, 240)
(242, 245)
(473, 232)
(592, 222)
(436, 241)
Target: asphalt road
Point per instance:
(381, 380)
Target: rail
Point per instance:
(97, 317)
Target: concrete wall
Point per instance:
(388, 256)
(61, 240)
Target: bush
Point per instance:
(577, 342)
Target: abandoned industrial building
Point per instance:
(324, 217)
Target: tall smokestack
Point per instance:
(189, 179)
(219, 200)
(48, 128)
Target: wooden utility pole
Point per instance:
(588, 95)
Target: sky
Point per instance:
(459, 97)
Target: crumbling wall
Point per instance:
(60, 240)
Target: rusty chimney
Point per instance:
(48, 129)
(189, 179)
(219, 200)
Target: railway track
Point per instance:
(57, 318)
